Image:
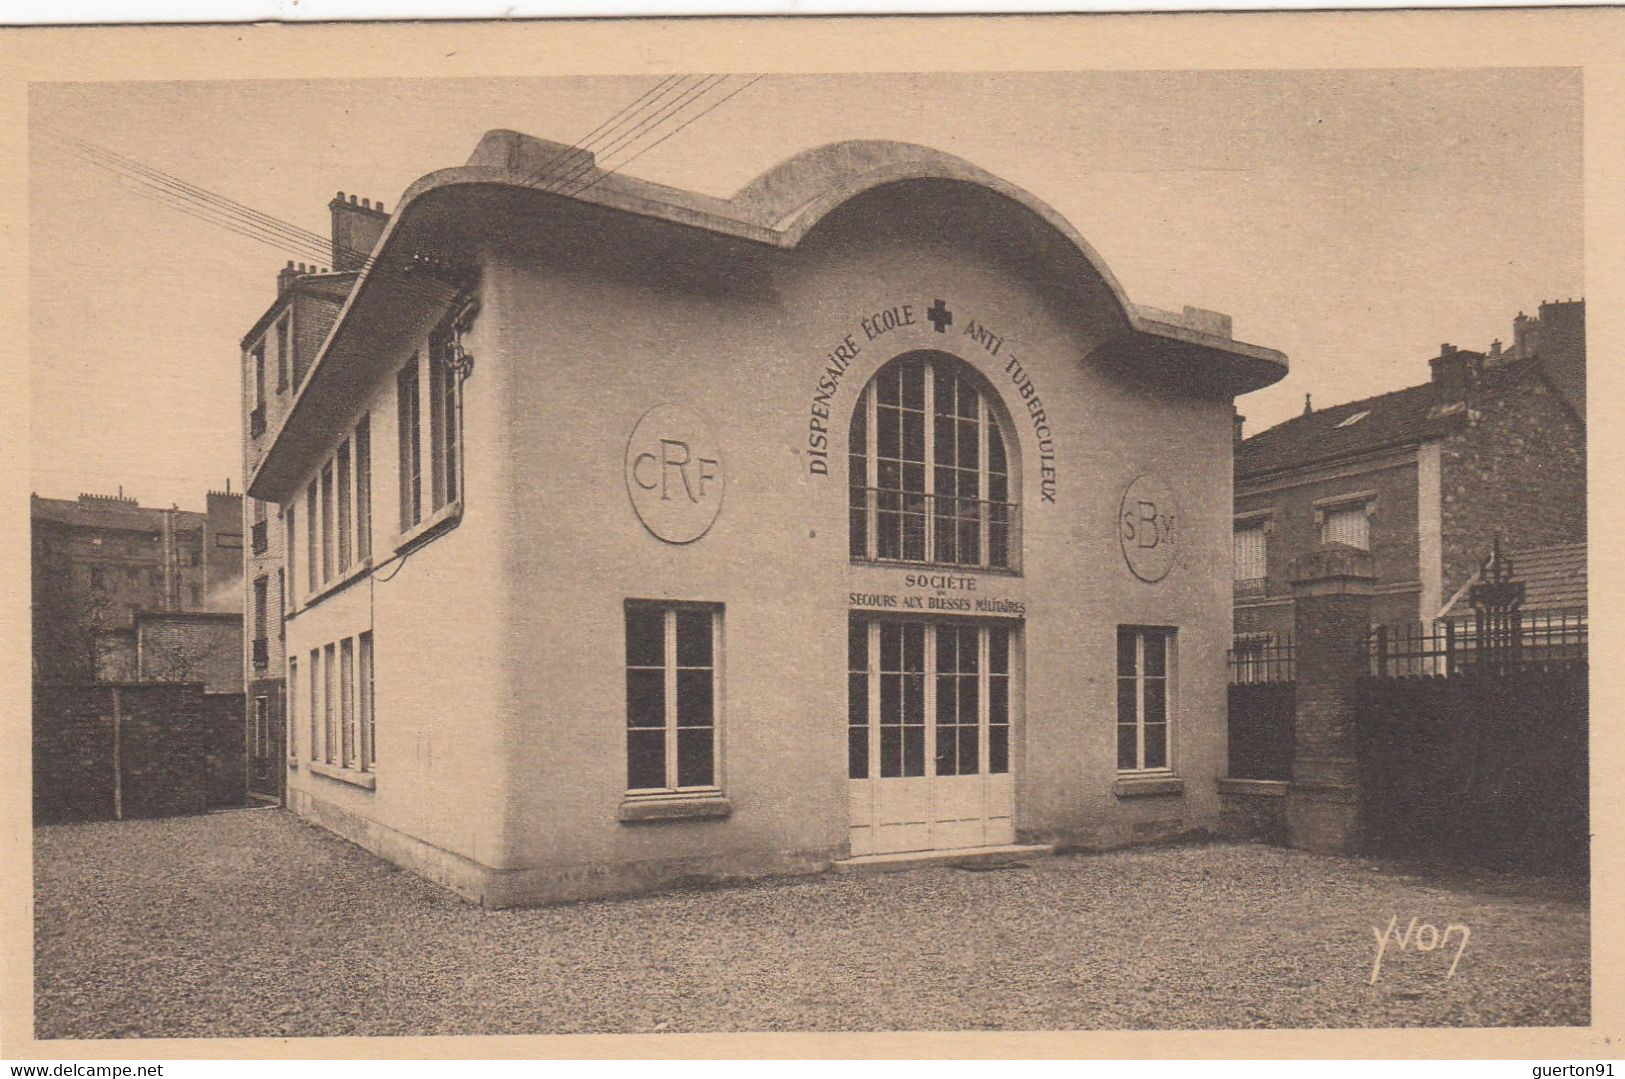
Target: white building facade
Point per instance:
(637, 535)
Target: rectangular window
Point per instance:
(290, 541)
(327, 522)
(442, 418)
(406, 400)
(293, 708)
(261, 588)
(671, 682)
(347, 729)
(315, 702)
(330, 736)
(368, 737)
(313, 531)
(1249, 561)
(363, 489)
(344, 492)
(259, 377)
(282, 353)
(1347, 524)
(281, 603)
(1144, 659)
(262, 727)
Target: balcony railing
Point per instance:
(941, 530)
(256, 422)
(262, 653)
(261, 537)
(1251, 587)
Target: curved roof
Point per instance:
(777, 209)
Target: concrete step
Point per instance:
(921, 859)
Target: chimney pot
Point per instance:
(352, 200)
(341, 196)
(366, 204)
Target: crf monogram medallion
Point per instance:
(674, 474)
(1148, 527)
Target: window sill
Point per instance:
(674, 807)
(364, 780)
(293, 764)
(1254, 788)
(1148, 786)
(344, 580)
(441, 520)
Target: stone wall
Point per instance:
(1518, 466)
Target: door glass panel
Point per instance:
(857, 699)
(998, 700)
(952, 657)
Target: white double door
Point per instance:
(930, 714)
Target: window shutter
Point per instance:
(1250, 553)
(1348, 526)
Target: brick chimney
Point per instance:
(1562, 348)
(356, 228)
(1453, 372)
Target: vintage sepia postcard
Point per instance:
(845, 536)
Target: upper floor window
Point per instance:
(442, 418)
(929, 479)
(344, 523)
(1250, 565)
(1349, 523)
(338, 513)
(256, 417)
(363, 488)
(259, 376)
(282, 353)
(406, 403)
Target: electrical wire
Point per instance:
(723, 101)
(569, 185)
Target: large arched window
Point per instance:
(928, 475)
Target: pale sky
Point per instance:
(1353, 220)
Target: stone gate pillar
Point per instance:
(1331, 592)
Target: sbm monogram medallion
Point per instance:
(1148, 521)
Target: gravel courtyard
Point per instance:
(253, 923)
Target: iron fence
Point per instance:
(1263, 658)
(1523, 640)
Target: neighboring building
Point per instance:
(858, 513)
(175, 646)
(1424, 477)
(100, 559)
(1554, 612)
(276, 354)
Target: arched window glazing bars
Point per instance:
(929, 479)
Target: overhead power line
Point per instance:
(656, 115)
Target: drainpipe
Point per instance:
(118, 758)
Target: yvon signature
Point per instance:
(1424, 937)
